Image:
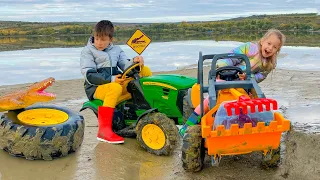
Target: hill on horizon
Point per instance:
(300, 29)
(262, 16)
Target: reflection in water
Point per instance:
(130, 161)
(116, 161)
(14, 168)
(149, 170)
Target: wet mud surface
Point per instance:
(95, 160)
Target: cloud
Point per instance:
(145, 10)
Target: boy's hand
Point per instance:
(139, 59)
(119, 79)
(242, 76)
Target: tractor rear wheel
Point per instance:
(187, 109)
(193, 150)
(157, 133)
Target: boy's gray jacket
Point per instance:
(100, 67)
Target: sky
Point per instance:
(147, 11)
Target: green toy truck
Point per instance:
(158, 104)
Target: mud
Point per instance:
(301, 122)
(302, 160)
(100, 161)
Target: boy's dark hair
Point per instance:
(104, 28)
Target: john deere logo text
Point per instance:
(139, 41)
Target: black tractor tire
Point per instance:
(41, 142)
(193, 150)
(118, 121)
(129, 131)
(187, 109)
(272, 159)
(167, 126)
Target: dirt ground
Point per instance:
(95, 160)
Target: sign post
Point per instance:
(139, 41)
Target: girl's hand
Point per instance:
(119, 80)
(242, 76)
(139, 59)
(218, 79)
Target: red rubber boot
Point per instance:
(105, 133)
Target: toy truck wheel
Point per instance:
(272, 159)
(193, 151)
(187, 109)
(41, 132)
(157, 133)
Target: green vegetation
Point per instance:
(292, 22)
(300, 29)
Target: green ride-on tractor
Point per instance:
(157, 104)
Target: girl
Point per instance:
(263, 59)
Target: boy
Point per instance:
(99, 63)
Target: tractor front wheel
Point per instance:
(193, 150)
(157, 133)
(187, 109)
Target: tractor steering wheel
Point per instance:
(131, 71)
(229, 73)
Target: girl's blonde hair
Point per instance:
(271, 62)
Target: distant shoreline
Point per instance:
(300, 29)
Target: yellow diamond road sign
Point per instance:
(139, 41)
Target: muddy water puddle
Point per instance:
(14, 168)
(96, 161)
(305, 118)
